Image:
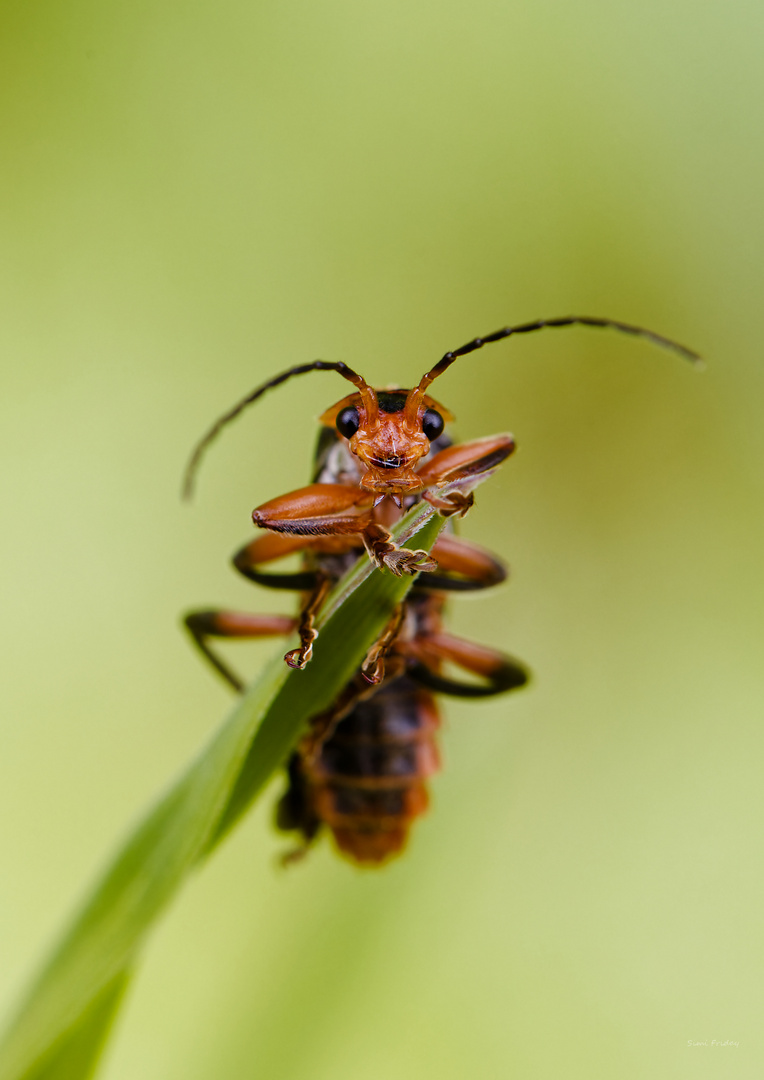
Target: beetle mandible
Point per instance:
(362, 768)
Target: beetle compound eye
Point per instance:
(347, 422)
(432, 424)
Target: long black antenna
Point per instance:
(226, 418)
(567, 320)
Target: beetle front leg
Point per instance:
(384, 553)
(322, 510)
(463, 466)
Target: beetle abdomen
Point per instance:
(368, 780)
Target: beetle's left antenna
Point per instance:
(414, 402)
(200, 448)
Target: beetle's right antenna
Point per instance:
(368, 395)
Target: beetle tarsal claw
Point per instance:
(299, 658)
(373, 671)
(454, 502)
(404, 561)
(296, 658)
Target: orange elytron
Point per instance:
(362, 768)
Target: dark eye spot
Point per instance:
(432, 424)
(347, 421)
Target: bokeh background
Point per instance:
(194, 197)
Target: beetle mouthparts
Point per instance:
(392, 461)
(406, 484)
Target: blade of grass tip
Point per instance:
(191, 819)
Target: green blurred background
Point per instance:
(195, 197)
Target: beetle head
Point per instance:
(387, 436)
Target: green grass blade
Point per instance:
(77, 1053)
(60, 1029)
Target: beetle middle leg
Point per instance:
(298, 658)
(316, 584)
(203, 625)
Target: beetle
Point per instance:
(362, 768)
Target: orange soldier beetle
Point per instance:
(363, 766)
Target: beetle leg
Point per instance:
(473, 567)
(373, 667)
(464, 466)
(455, 502)
(384, 553)
(233, 624)
(501, 672)
(317, 510)
(271, 546)
(268, 548)
(298, 658)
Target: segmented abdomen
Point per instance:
(368, 781)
